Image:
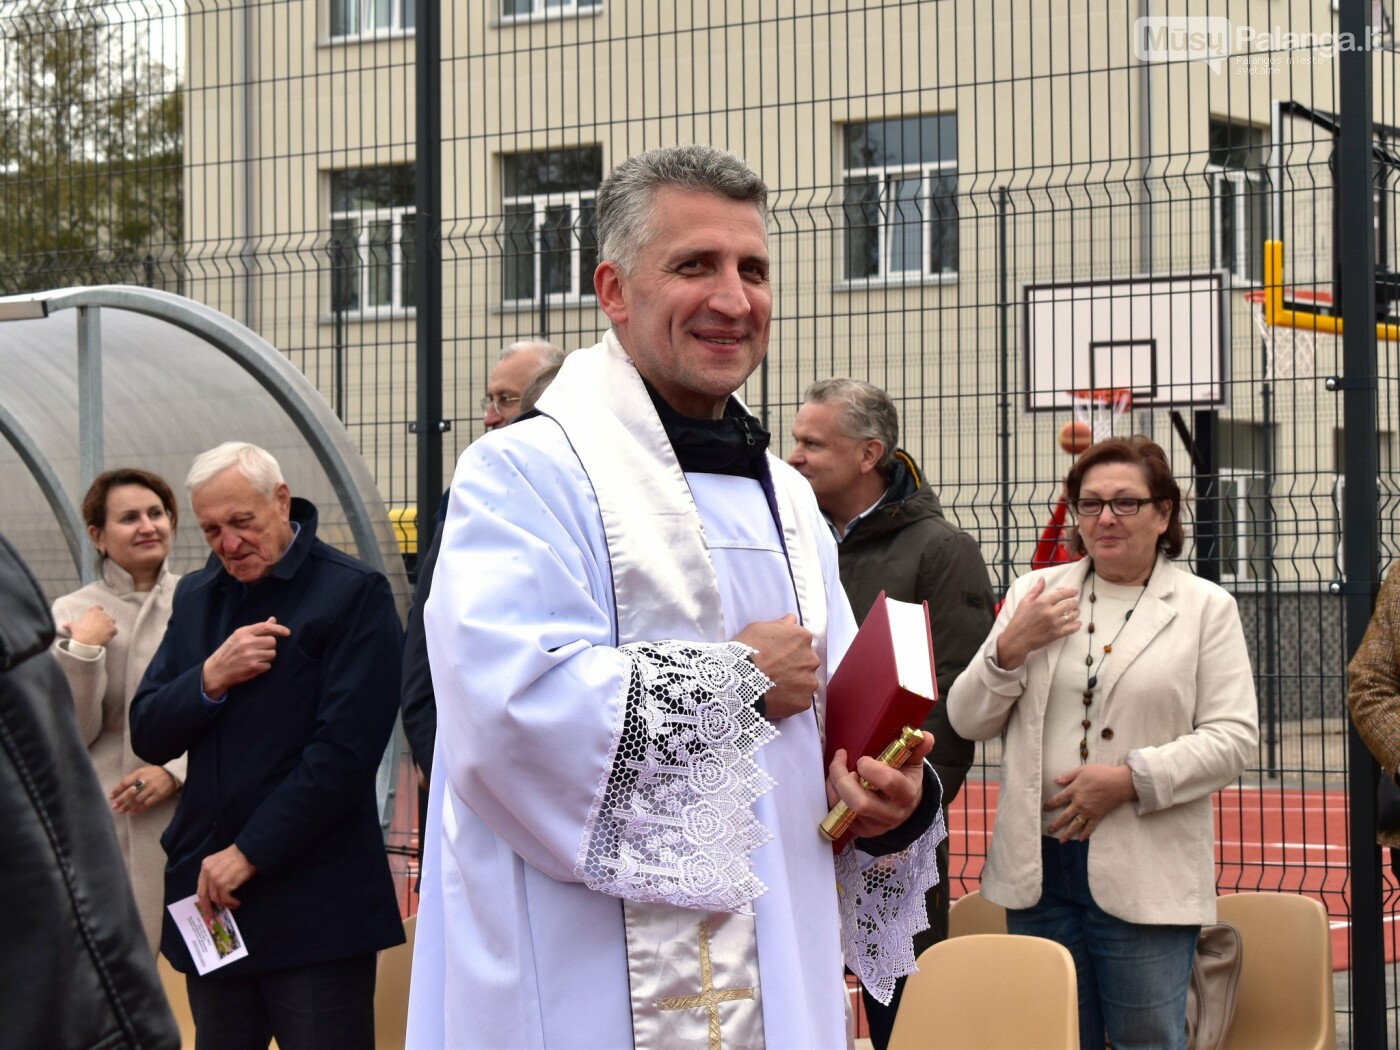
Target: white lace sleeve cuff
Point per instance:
(882, 907)
(673, 822)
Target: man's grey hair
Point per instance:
(624, 212)
(256, 464)
(866, 412)
(551, 356)
(537, 386)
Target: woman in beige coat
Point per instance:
(108, 633)
(1122, 690)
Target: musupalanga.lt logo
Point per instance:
(1215, 40)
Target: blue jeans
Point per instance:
(1132, 977)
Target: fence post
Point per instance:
(427, 187)
(1358, 390)
(1004, 342)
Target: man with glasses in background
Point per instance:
(521, 369)
(520, 363)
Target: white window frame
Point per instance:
(580, 284)
(1339, 491)
(541, 9)
(1243, 535)
(367, 30)
(1393, 232)
(398, 218)
(1248, 187)
(927, 173)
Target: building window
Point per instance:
(372, 239)
(1242, 508)
(371, 17)
(549, 243)
(1236, 168)
(541, 8)
(899, 194)
(1387, 486)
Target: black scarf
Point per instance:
(734, 445)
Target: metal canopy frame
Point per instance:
(288, 387)
(297, 398)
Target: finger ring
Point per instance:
(139, 785)
(1080, 820)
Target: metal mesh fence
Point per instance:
(979, 206)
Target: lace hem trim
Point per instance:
(673, 822)
(882, 908)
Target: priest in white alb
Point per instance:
(633, 619)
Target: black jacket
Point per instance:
(418, 698)
(75, 969)
(285, 766)
(908, 549)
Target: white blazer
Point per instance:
(1179, 708)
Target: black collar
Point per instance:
(735, 444)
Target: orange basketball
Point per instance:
(1076, 436)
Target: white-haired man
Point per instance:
(279, 675)
(635, 612)
(509, 381)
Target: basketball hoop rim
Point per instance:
(1291, 293)
(1107, 395)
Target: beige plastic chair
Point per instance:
(391, 991)
(1285, 997)
(973, 913)
(990, 991)
(174, 984)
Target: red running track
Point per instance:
(1270, 838)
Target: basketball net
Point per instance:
(1289, 353)
(1100, 408)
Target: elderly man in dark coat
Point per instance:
(279, 675)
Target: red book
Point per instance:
(884, 682)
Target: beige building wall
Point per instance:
(1050, 108)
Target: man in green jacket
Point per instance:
(892, 536)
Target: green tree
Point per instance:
(91, 154)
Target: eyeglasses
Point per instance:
(1122, 506)
(501, 401)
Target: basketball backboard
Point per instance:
(1302, 177)
(1162, 338)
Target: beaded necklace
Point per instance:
(1092, 672)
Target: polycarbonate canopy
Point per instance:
(95, 378)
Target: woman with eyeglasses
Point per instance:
(1122, 690)
(108, 632)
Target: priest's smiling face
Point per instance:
(694, 311)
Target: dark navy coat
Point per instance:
(285, 766)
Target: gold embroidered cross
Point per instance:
(709, 997)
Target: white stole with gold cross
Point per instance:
(693, 969)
